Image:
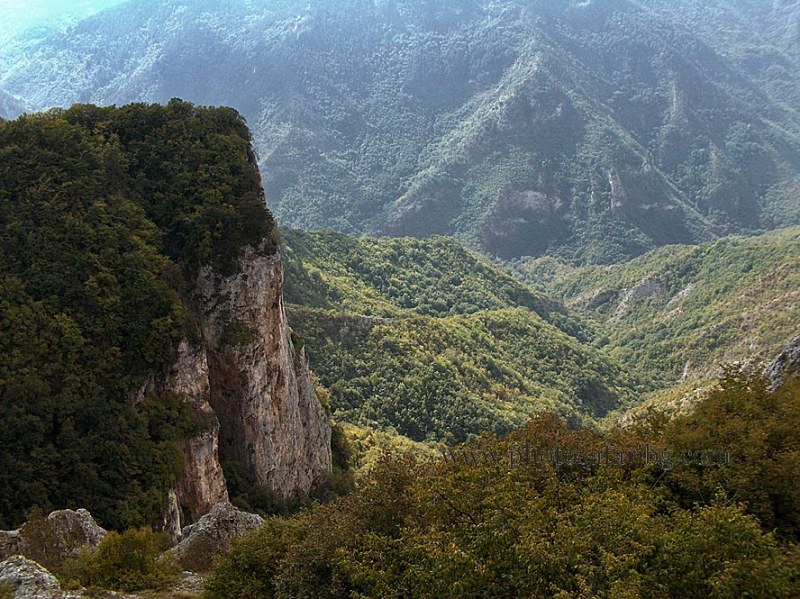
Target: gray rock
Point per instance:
(786, 364)
(647, 288)
(54, 539)
(10, 543)
(212, 535)
(28, 580)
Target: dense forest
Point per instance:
(681, 311)
(716, 514)
(428, 339)
(592, 131)
(105, 212)
(433, 341)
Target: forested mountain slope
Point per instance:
(139, 275)
(682, 311)
(592, 130)
(433, 341)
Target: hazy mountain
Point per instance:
(592, 130)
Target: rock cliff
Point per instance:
(785, 365)
(247, 377)
(202, 482)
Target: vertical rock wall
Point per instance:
(248, 377)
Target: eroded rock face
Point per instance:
(786, 364)
(645, 289)
(28, 580)
(202, 482)
(212, 535)
(244, 377)
(271, 422)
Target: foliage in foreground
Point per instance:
(131, 561)
(478, 525)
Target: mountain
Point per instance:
(42, 16)
(682, 311)
(593, 131)
(429, 339)
(143, 341)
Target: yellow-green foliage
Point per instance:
(428, 338)
(735, 299)
(477, 525)
(368, 445)
(761, 430)
(130, 561)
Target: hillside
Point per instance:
(429, 339)
(682, 311)
(139, 272)
(592, 131)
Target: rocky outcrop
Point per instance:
(28, 580)
(785, 365)
(647, 288)
(212, 535)
(246, 378)
(271, 422)
(202, 482)
(10, 543)
(53, 539)
(594, 299)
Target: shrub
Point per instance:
(250, 566)
(130, 561)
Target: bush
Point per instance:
(130, 561)
(480, 528)
(251, 564)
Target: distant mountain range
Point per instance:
(591, 131)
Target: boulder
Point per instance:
(27, 579)
(212, 535)
(60, 536)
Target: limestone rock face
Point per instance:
(244, 376)
(786, 364)
(212, 535)
(28, 580)
(271, 422)
(202, 482)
